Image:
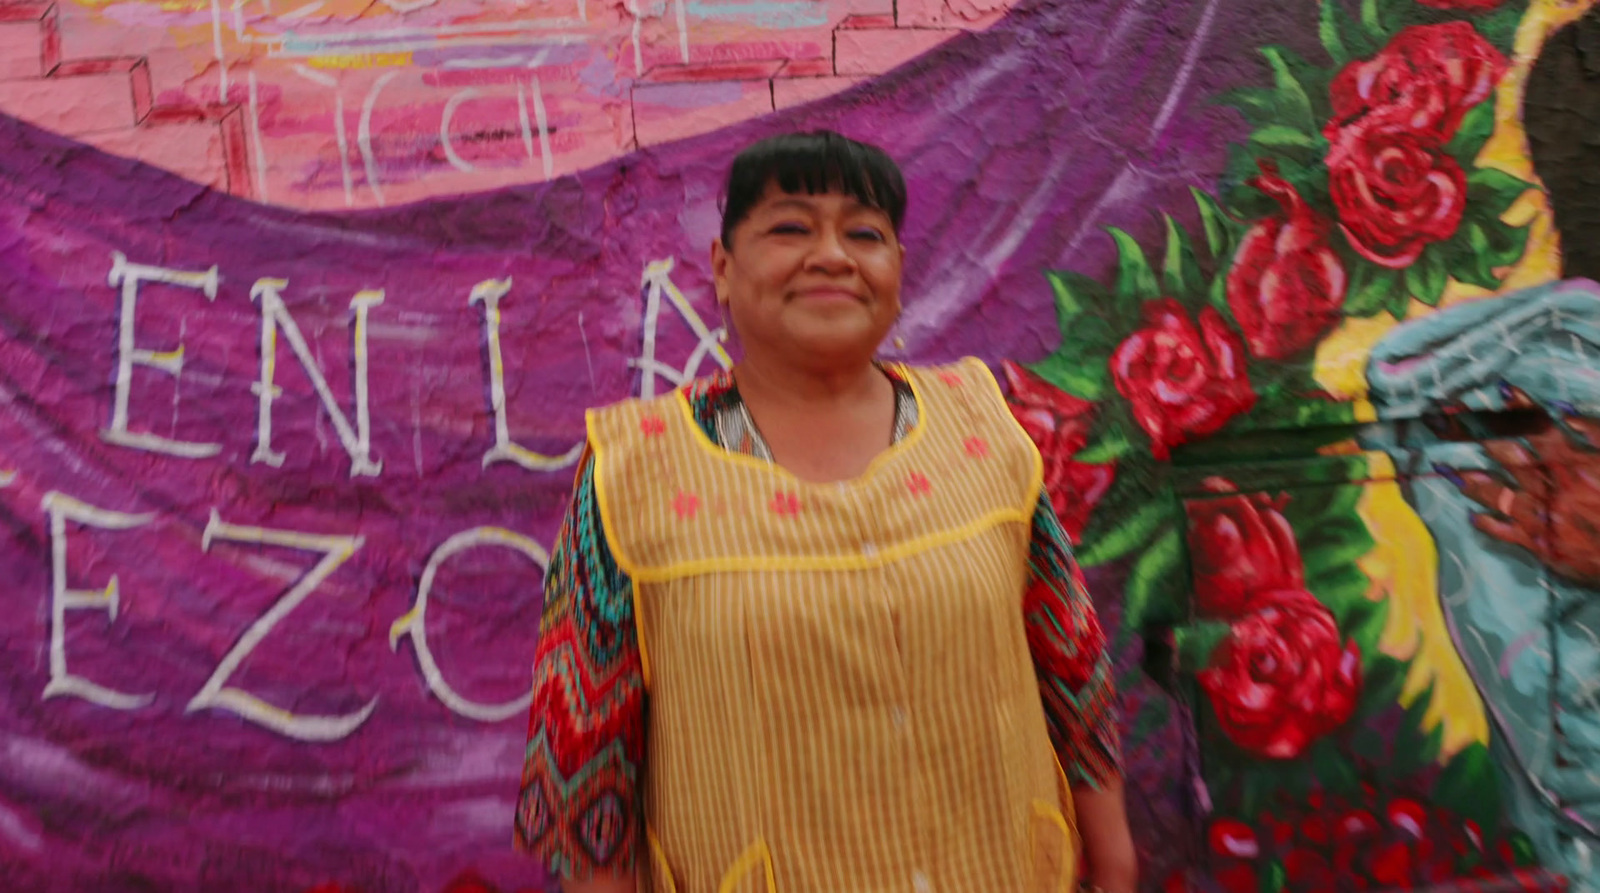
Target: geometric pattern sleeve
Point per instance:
(578, 809)
(1071, 658)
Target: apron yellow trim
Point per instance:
(756, 855)
(830, 562)
(659, 856)
(1069, 857)
(1036, 483)
(603, 499)
(723, 454)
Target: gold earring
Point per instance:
(899, 343)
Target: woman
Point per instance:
(809, 625)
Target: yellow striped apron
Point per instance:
(841, 695)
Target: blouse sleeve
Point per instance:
(1071, 658)
(577, 810)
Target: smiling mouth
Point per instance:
(827, 294)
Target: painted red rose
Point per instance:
(1183, 382)
(1282, 679)
(1059, 424)
(1309, 872)
(1241, 546)
(1286, 286)
(1396, 193)
(1423, 82)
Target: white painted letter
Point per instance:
(129, 276)
(490, 291)
(62, 599)
(414, 623)
(656, 281)
(274, 314)
(335, 551)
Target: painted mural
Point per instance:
(301, 303)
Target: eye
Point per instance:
(868, 234)
(789, 228)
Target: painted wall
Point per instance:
(303, 300)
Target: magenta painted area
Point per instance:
(1020, 144)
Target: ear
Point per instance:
(720, 258)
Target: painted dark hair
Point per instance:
(813, 163)
(1561, 115)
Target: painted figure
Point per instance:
(810, 624)
(1517, 510)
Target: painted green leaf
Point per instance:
(1129, 535)
(1180, 270)
(1399, 299)
(1334, 543)
(1112, 445)
(1074, 293)
(1371, 289)
(1500, 26)
(1475, 130)
(1079, 375)
(1426, 279)
(1490, 192)
(1338, 584)
(1473, 265)
(1469, 786)
(1372, 21)
(1349, 39)
(1415, 748)
(1196, 642)
(1294, 106)
(1334, 770)
(1343, 500)
(1363, 621)
(1381, 685)
(1253, 793)
(1221, 230)
(1273, 877)
(1157, 584)
(1369, 745)
(1217, 296)
(1507, 244)
(1279, 137)
(1258, 105)
(1135, 280)
(1082, 305)
(1330, 29)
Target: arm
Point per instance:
(586, 725)
(1113, 864)
(1074, 666)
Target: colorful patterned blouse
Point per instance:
(586, 729)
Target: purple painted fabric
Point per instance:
(1020, 144)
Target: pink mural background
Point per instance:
(302, 301)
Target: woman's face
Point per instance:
(814, 277)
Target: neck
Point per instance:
(777, 381)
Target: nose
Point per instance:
(830, 252)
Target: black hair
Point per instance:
(814, 163)
(1561, 115)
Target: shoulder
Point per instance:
(702, 395)
(620, 420)
(967, 370)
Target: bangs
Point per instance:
(814, 164)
